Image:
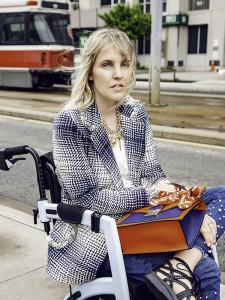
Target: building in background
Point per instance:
(193, 33)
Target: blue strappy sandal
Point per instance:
(162, 288)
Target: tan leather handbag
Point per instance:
(161, 228)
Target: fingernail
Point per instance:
(208, 244)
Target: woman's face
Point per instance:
(111, 76)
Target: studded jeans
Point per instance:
(207, 271)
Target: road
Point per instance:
(187, 163)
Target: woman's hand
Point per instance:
(166, 186)
(208, 230)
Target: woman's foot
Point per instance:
(175, 281)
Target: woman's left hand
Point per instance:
(208, 230)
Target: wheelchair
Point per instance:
(107, 286)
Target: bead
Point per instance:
(219, 209)
(113, 135)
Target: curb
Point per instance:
(201, 136)
(205, 87)
(27, 114)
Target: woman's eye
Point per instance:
(126, 64)
(107, 65)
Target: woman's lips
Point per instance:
(117, 86)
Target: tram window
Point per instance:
(40, 31)
(13, 31)
(49, 28)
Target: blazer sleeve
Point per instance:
(79, 186)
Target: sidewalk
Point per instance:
(23, 251)
(197, 82)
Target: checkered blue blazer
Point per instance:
(89, 176)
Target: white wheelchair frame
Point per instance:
(117, 284)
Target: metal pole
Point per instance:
(155, 67)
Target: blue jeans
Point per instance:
(137, 265)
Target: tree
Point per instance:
(128, 19)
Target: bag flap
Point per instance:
(169, 212)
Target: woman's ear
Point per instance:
(90, 77)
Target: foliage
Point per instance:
(128, 19)
(140, 67)
(75, 6)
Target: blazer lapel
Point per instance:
(91, 119)
(134, 135)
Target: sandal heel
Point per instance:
(159, 288)
(163, 288)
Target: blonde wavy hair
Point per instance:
(82, 94)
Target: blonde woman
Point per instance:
(106, 161)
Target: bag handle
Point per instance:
(179, 186)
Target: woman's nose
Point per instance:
(117, 72)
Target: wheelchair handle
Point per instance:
(9, 152)
(7, 155)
